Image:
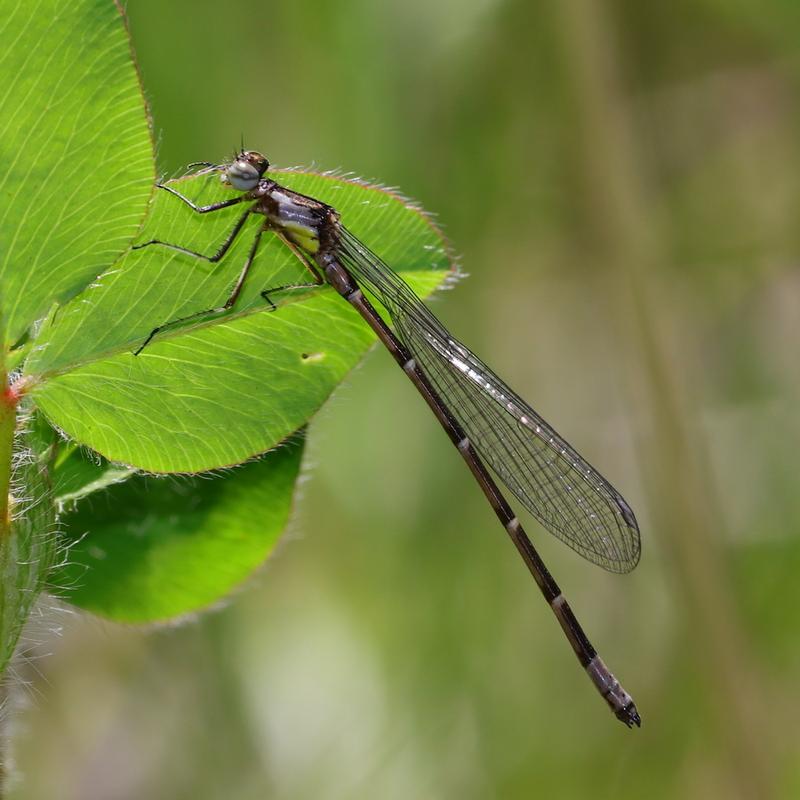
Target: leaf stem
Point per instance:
(8, 417)
(8, 406)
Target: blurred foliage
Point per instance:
(621, 179)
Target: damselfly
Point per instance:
(488, 423)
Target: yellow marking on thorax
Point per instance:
(303, 236)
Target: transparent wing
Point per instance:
(560, 488)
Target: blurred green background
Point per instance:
(621, 181)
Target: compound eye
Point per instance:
(242, 175)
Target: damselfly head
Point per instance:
(245, 171)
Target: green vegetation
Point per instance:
(621, 181)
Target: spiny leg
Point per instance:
(265, 293)
(221, 250)
(232, 297)
(229, 303)
(318, 279)
(204, 209)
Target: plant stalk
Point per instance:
(8, 418)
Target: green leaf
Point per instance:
(74, 472)
(220, 390)
(76, 476)
(75, 148)
(153, 548)
(27, 550)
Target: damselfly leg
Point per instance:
(217, 256)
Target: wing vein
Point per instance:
(546, 474)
